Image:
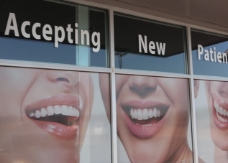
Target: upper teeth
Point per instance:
(144, 114)
(220, 109)
(57, 109)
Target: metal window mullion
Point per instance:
(113, 87)
(192, 100)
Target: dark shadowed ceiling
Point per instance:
(211, 11)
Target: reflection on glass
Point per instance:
(45, 115)
(209, 53)
(152, 118)
(148, 45)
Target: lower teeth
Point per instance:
(220, 118)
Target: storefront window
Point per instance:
(142, 44)
(53, 116)
(212, 120)
(45, 31)
(153, 119)
(209, 53)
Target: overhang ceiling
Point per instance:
(210, 11)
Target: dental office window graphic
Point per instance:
(68, 39)
(211, 115)
(153, 119)
(209, 53)
(142, 44)
(53, 116)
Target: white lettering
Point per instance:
(144, 44)
(211, 52)
(200, 51)
(76, 33)
(59, 32)
(219, 56)
(96, 43)
(83, 34)
(69, 31)
(57, 38)
(24, 24)
(47, 30)
(152, 47)
(34, 27)
(12, 18)
(224, 57)
(206, 56)
(161, 48)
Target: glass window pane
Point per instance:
(212, 120)
(51, 32)
(53, 116)
(148, 45)
(209, 53)
(153, 119)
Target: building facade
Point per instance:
(113, 81)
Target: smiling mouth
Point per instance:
(221, 113)
(144, 119)
(66, 115)
(58, 115)
(145, 116)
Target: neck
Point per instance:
(183, 154)
(220, 156)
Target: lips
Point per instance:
(220, 112)
(144, 118)
(58, 115)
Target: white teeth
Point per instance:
(57, 109)
(43, 112)
(71, 110)
(220, 110)
(221, 118)
(64, 110)
(135, 115)
(76, 112)
(37, 114)
(155, 112)
(50, 110)
(150, 113)
(139, 114)
(145, 114)
(31, 115)
(132, 114)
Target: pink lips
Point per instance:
(147, 130)
(57, 129)
(218, 123)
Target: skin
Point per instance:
(219, 136)
(21, 140)
(170, 143)
(220, 89)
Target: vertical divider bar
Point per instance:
(193, 108)
(113, 88)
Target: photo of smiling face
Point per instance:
(152, 117)
(217, 95)
(44, 114)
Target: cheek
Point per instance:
(14, 85)
(178, 93)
